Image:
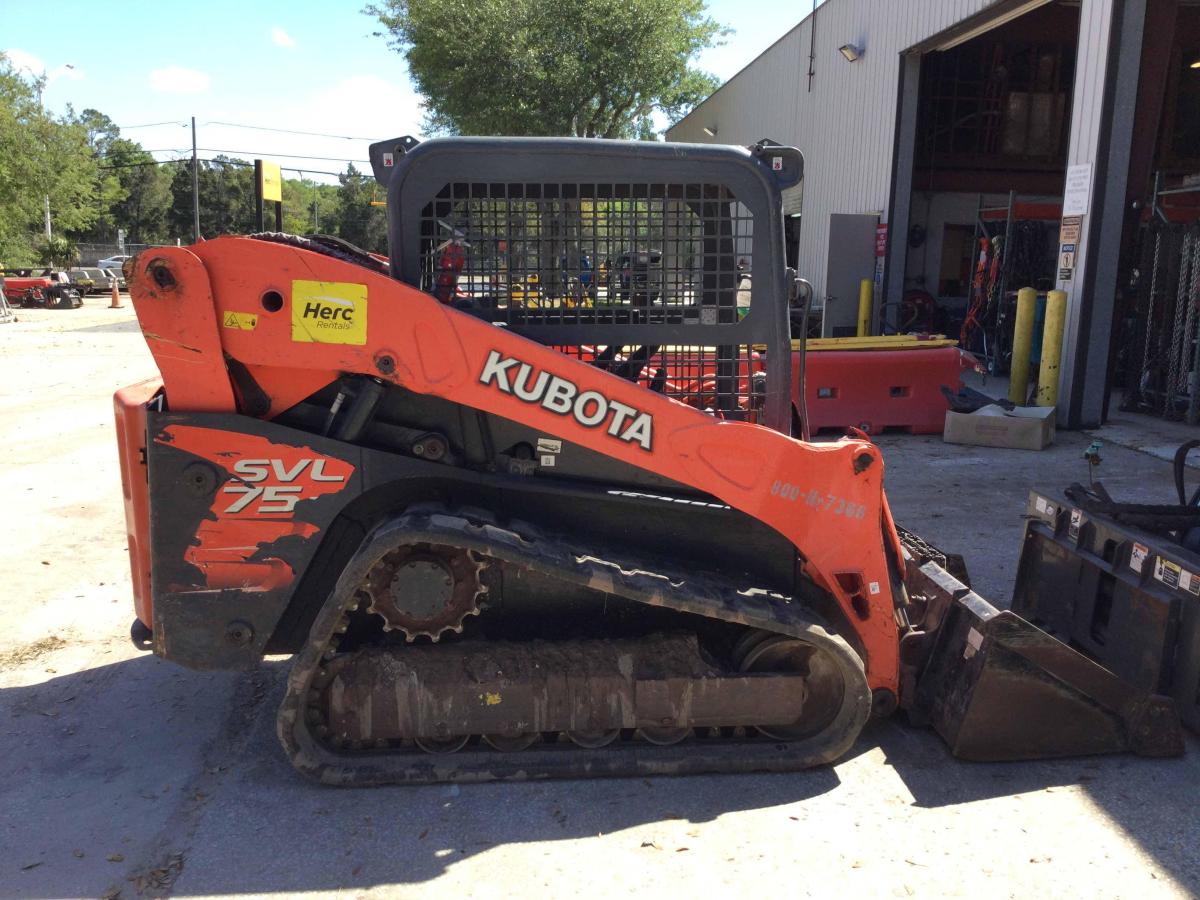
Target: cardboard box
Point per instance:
(1023, 428)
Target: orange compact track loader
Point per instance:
(506, 539)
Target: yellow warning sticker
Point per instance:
(241, 321)
(329, 312)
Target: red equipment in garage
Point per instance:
(880, 382)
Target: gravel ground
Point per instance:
(121, 772)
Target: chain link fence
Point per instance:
(90, 253)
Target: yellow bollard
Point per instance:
(866, 294)
(1052, 338)
(1018, 384)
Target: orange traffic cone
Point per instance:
(116, 298)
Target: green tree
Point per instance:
(145, 193)
(57, 251)
(100, 129)
(132, 191)
(101, 134)
(226, 198)
(589, 68)
(359, 222)
(41, 156)
(309, 206)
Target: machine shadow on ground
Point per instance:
(129, 327)
(152, 761)
(144, 760)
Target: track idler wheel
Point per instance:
(664, 736)
(593, 740)
(442, 745)
(831, 683)
(512, 743)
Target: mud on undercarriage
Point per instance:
(786, 695)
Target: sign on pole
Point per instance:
(272, 182)
(1078, 190)
(268, 188)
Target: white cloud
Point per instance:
(29, 66)
(22, 61)
(67, 71)
(281, 38)
(178, 80)
(364, 104)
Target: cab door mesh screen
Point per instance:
(554, 260)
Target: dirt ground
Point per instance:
(119, 772)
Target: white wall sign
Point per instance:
(1077, 191)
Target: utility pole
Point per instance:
(46, 199)
(195, 187)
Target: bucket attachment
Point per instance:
(995, 687)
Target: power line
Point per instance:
(225, 162)
(258, 154)
(343, 137)
(241, 162)
(151, 125)
(138, 165)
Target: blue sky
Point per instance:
(303, 65)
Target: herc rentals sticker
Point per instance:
(329, 312)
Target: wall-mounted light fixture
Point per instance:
(1195, 65)
(710, 130)
(850, 52)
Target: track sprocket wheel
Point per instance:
(426, 590)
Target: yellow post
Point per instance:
(866, 294)
(1018, 384)
(1052, 338)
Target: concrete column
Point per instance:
(901, 200)
(1107, 65)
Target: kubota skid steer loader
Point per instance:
(567, 534)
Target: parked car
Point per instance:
(114, 262)
(41, 287)
(83, 282)
(102, 277)
(120, 278)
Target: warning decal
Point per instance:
(239, 320)
(1174, 575)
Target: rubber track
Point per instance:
(703, 596)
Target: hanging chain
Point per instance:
(1158, 239)
(1191, 347)
(1175, 353)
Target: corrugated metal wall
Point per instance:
(845, 125)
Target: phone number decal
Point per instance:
(818, 500)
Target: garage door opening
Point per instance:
(993, 116)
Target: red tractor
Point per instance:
(47, 288)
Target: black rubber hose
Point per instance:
(1180, 462)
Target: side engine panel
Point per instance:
(251, 522)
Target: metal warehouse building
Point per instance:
(956, 150)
